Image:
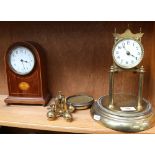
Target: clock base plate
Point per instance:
(27, 100)
(124, 116)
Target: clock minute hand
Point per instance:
(22, 63)
(134, 56)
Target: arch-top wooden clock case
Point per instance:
(26, 74)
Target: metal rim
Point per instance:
(80, 105)
(103, 110)
(11, 67)
(118, 43)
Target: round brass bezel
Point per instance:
(120, 40)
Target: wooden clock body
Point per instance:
(32, 87)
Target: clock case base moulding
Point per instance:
(27, 100)
(126, 121)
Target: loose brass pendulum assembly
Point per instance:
(60, 109)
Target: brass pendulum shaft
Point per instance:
(111, 88)
(140, 89)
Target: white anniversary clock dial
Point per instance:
(128, 53)
(21, 60)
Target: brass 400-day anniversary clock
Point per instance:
(26, 71)
(121, 111)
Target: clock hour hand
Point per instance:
(128, 53)
(25, 61)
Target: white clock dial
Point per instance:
(128, 53)
(21, 60)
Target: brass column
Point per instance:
(140, 89)
(111, 87)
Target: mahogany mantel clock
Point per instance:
(26, 74)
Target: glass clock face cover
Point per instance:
(21, 60)
(128, 53)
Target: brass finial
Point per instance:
(140, 29)
(128, 26)
(115, 30)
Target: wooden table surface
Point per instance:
(34, 117)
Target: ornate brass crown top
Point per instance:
(128, 34)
